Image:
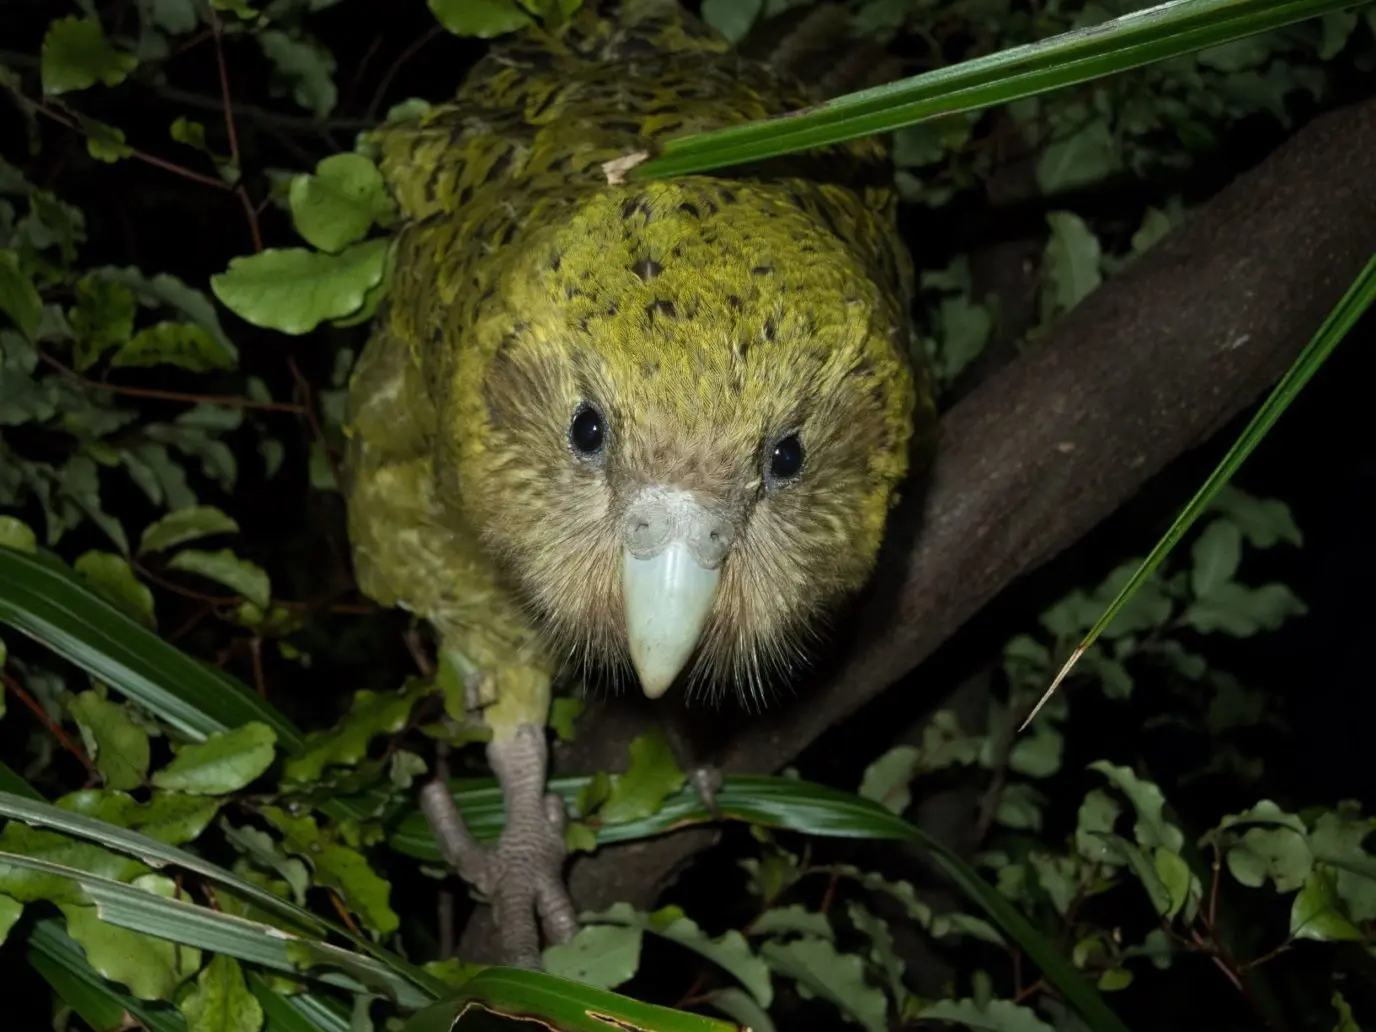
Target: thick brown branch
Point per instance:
(1149, 366)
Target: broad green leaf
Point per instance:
(166, 289)
(151, 968)
(1282, 854)
(105, 143)
(223, 763)
(740, 1006)
(221, 1001)
(63, 965)
(730, 951)
(1070, 263)
(887, 778)
(183, 525)
(1241, 611)
(563, 716)
(118, 746)
(599, 955)
(10, 912)
(882, 953)
(19, 298)
(1264, 522)
(114, 578)
(337, 205)
(1346, 1022)
(102, 318)
(794, 919)
(1317, 912)
(305, 66)
(1152, 829)
(821, 971)
(481, 18)
(76, 55)
(294, 290)
(1177, 878)
(268, 853)
(1079, 158)
(1337, 840)
(166, 817)
(988, 1016)
(338, 867)
(27, 885)
(371, 714)
(653, 775)
(224, 567)
(1098, 814)
(16, 534)
(180, 344)
(1217, 555)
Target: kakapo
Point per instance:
(652, 427)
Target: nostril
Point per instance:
(716, 537)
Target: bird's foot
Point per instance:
(522, 875)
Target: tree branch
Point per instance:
(1149, 366)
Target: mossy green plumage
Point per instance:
(705, 313)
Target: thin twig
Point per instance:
(240, 190)
(308, 407)
(395, 67)
(227, 400)
(34, 706)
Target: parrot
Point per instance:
(648, 428)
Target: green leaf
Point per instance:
(730, 951)
(305, 66)
(882, 953)
(1098, 814)
(151, 968)
(166, 289)
(1281, 854)
(118, 746)
(600, 955)
(183, 525)
(102, 318)
(180, 344)
(1152, 829)
(267, 853)
(223, 763)
(989, 1016)
(224, 567)
(1346, 1022)
(1241, 611)
(821, 971)
(371, 714)
(1217, 555)
(105, 143)
(653, 776)
(1337, 840)
(114, 578)
(221, 1001)
(77, 55)
(794, 919)
(295, 290)
(732, 18)
(1079, 158)
(10, 912)
(19, 298)
(563, 715)
(1264, 522)
(1070, 263)
(1317, 912)
(338, 867)
(481, 18)
(167, 817)
(16, 534)
(337, 205)
(887, 778)
(741, 1007)
(1177, 878)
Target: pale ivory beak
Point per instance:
(670, 574)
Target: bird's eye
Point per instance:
(786, 460)
(587, 431)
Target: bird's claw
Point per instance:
(522, 875)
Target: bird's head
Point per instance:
(682, 425)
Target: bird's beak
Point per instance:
(670, 575)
